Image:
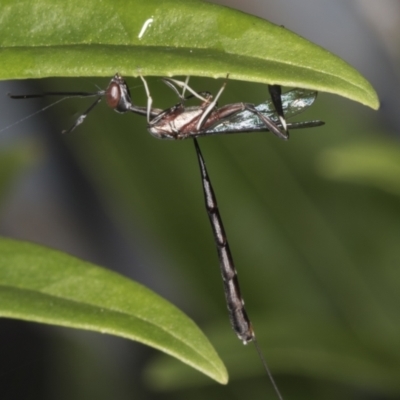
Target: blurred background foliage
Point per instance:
(313, 226)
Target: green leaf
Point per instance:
(186, 37)
(47, 286)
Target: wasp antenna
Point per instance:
(48, 94)
(31, 115)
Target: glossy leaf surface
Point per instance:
(43, 285)
(164, 38)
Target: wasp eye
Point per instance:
(113, 95)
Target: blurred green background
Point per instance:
(313, 225)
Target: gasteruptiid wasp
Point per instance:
(181, 122)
